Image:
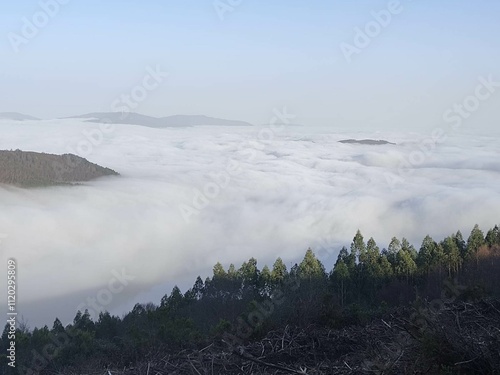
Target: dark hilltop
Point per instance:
(33, 169)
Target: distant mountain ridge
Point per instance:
(16, 116)
(158, 122)
(34, 169)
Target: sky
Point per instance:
(240, 61)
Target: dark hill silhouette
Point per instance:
(33, 169)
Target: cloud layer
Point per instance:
(262, 198)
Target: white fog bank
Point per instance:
(260, 198)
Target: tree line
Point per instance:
(241, 304)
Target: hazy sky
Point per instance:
(256, 57)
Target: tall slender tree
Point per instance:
(279, 272)
(474, 242)
(493, 237)
(311, 267)
(358, 246)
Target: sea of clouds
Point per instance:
(189, 197)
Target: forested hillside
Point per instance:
(33, 169)
(398, 310)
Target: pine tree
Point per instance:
(311, 267)
(198, 288)
(279, 272)
(405, 265)
(83, 321)
(393, 249)
(57, 327)
(427, 256)
(386, 270)
(341, 274)
(493, 237)
(232, 273)
(462, 246)
(250, 276)
(371, 259)
(451, 255)
(219, 271)
(265, 281)
(249, 271)
(173, 302)
(474, 242)
(358, 246)
(409, 248)
(349, 259)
